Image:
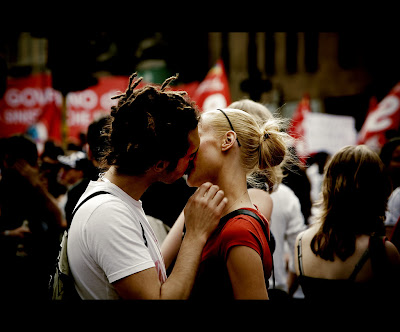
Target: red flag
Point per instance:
(213, 92)
(190, 88)
(383, 117)
(296, 128)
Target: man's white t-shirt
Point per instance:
(105, 242)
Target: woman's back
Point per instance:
(356, 277)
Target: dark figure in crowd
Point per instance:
(166, 201)
(30, 221)
(296, 179)
(344, 254)
(50, 167)
(89, 165)
(113, 253)
(390, 155)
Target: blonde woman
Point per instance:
(236, 261)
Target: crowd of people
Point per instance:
(199, 205)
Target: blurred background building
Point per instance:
(340, 71)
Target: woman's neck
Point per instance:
(235, 189)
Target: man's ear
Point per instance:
(229, 140)
(160, 166)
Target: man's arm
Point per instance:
(202, 214)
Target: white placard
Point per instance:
(329, 132)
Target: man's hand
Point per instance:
(204, 210)
(202, 214)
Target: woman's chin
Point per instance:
(191, 181)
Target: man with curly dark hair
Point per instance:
(151, 136)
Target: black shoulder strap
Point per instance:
(359, 264)
(299, 255)
(102, 193)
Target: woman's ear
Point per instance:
(229, 140)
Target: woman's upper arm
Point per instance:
(392, 253)
(246, 272)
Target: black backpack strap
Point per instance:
(102, 193)
(86, 199)
(299, 255)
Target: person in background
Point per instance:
(315, 172)
(296, 179)
(284, 212)
(73, 167)
(49, 167)
(30, 222)
(344, 255)
(261, 194)
(390, 155)
(392, 221)
(152, 135)
(88, 165)
(72, 170)
(166, 201)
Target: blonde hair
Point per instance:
(258, 110)
(264, 147)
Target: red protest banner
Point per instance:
(30, 105)
(380, 119)
(83, 107)
(297, 129)
(27, 100)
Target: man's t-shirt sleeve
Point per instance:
(116, 242)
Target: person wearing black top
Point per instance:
(345, 255)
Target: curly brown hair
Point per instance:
(148, 125)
